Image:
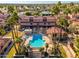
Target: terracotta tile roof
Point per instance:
(3, 41)
(55, 30)
(1, 20)
(75, 22)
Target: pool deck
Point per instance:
(27, 41)
(47, 40)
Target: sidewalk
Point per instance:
(69, 52)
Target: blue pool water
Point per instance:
(37, 41)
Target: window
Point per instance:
(54, 34)
(44, 19)
(31, 19)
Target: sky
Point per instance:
(33, 1)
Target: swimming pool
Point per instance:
(37, 41)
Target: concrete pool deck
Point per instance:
(28, 40)
(47, 40)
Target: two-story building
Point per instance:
(3, 18)
(37, 21)
(5, 45)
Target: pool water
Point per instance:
(37, 41)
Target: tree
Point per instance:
(55, 10)
(73, 28)
(2, 31)
(71, 4)
(36, 14)
(18, 41)
(28, 13)
(27, 49)
(15, 17)
(75, 9)
(1, 6)
(46, 46)
(63, 23)
(10, 9)
(41, 50)
(11, 21)
(66, 11)
(59, 3)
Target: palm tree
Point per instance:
(18, 41)
(59, 4)
(10, 9)
(75, 9)
(55, 10)
(46, 46)
(11, 21)
(16, 17)
(67, 11)
(63, 23)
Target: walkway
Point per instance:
(69, 52)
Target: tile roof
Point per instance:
(2, 21)
(3, 41)
(4, 16)
(55, 30)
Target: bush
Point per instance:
(2, 31)
(28, 14)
